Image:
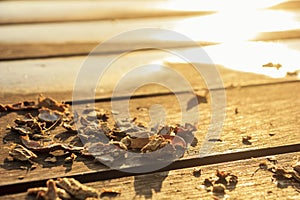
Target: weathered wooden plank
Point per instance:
(183, 184)
(267, 113)
(81, 32)
(59, 74)
(14, 52)
(44, 39)
(18, 12)
(54, 11)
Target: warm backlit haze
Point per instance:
(236, 26)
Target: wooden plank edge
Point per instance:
(121, 16)
(107, 97)
(140, 96)
(179, 164)
(48, 51)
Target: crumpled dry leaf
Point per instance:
(49, 116)
(155, 142)
(69, 188)
(51, 192)
(76, 189)
(135, 143)
(39, 147)
(25, 105)
(20, 153)
(52, 104)
(28, 125)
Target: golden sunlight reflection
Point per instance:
(250, 57)
(236, 26)
(218, 5)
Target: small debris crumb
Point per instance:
(272, 65)
(222, 182)
(263, 165)
(208, 182)
(294, 73)
(219, 189)
(246, 140)
(197, 172)
(236, 111)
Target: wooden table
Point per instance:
(42, 51)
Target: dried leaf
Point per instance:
(49, 116)
(29, 125)
(156, 142)
(37, 146)
(51, 192)
(135, 143)
(219, 189)
(26, 105)
(19, 152)
(246, 140)
(52, 104)
(76, 189)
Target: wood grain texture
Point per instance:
(58, 75)
(271, 119)
(18, 12)
(182, 184)
(75, 38)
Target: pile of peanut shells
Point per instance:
(105, 141)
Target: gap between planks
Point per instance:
(184, 184)
(194, 161)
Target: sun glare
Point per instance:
(250, 57)
(236, 26)
(218, 5)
